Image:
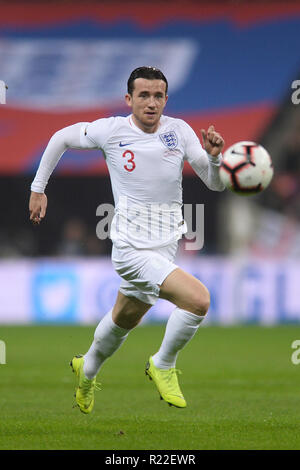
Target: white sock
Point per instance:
(108, 338)
(180, 329)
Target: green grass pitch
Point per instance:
(243, 391)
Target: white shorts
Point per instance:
(143, 271)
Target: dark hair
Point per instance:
(150, 73)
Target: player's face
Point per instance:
(147, 102)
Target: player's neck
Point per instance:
(143, 127)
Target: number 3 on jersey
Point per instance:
(130, 159)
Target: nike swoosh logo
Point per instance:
(123, 145)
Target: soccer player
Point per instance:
(145, 153)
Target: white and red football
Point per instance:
(246, 168)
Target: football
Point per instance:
(246, 168)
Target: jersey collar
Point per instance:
(140, 130)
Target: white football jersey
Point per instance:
(146, 176)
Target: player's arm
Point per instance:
(206, 160)
(213, 142)
(69, 137)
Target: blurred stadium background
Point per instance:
(231, 64)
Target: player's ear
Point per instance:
(128, 100)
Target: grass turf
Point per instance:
(240, 384)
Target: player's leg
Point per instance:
(109, 335)
(186, 292)
(192, 300)
(128, 311)
(112, 331)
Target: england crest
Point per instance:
(169, 139)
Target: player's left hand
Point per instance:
(213, 142)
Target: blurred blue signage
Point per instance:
(55, 290)
(243, 291)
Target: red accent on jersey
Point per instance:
(130, 160)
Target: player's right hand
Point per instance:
(37, 207)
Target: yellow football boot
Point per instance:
(167, 385)
(85, 388)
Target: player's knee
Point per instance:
(131, 322)
(128, 319)
(202, 302)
